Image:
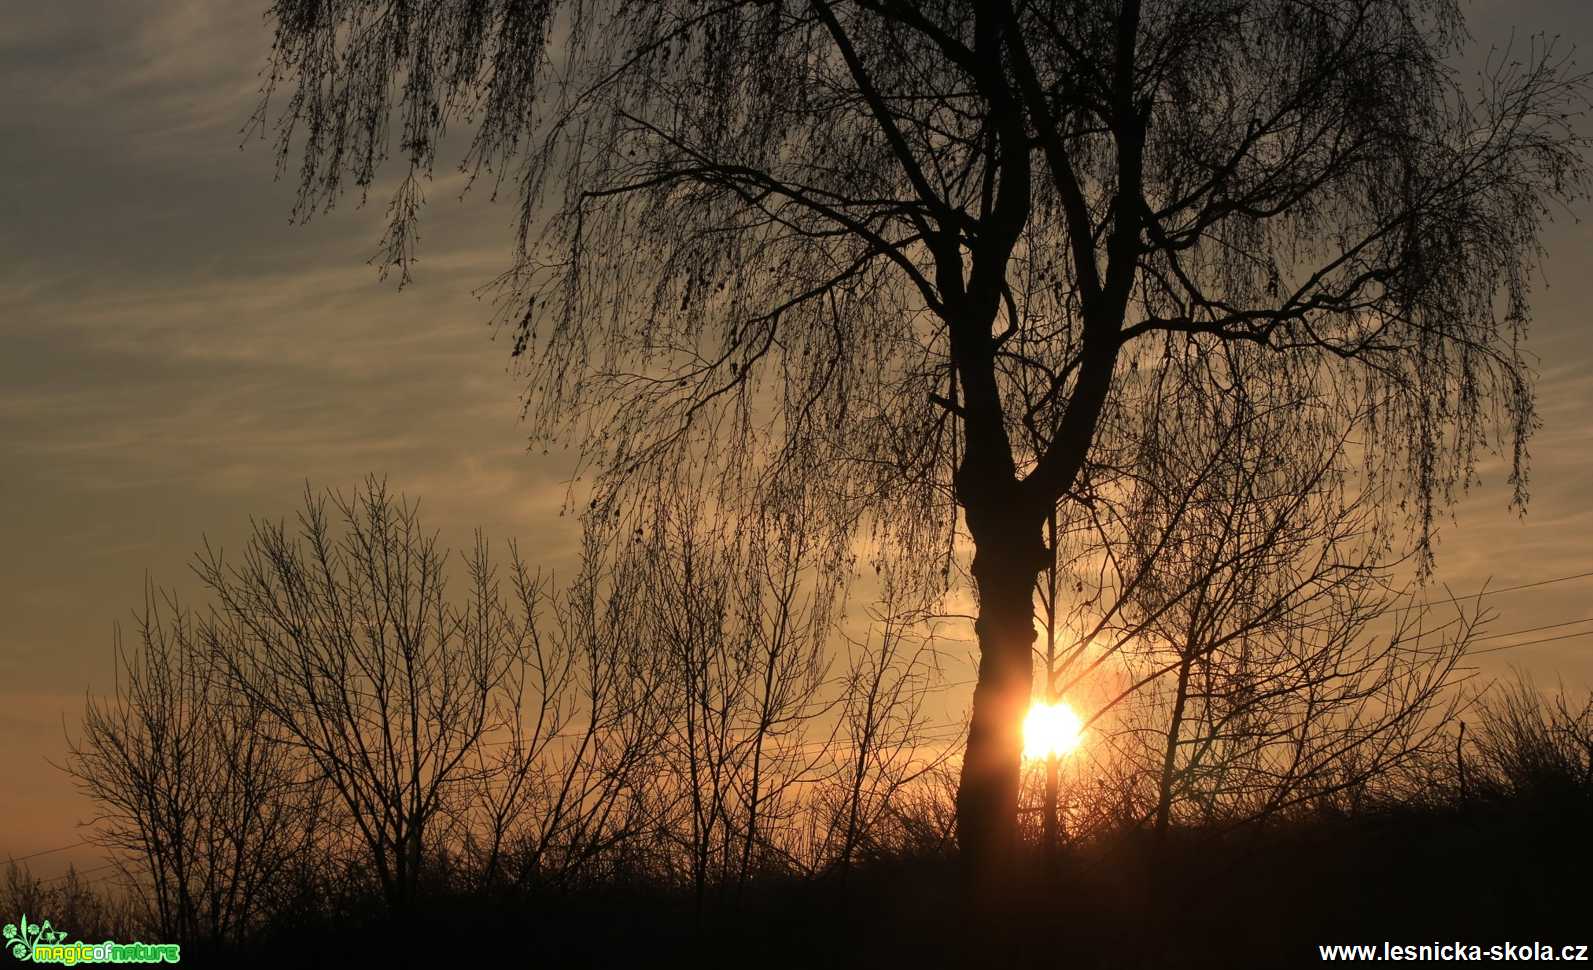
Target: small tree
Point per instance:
(348, 640)
(202, 796)
(737, 609)
(887, 742)
(1230, 586)
(561, 787)
(1262, 574)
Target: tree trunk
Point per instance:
(1053, 829)
(1052, 763)
(1005, 567)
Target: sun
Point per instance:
(1051, 729)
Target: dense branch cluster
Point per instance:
(867, 237)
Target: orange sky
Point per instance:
(177, 357)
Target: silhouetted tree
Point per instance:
(737, 612)
(1230, 589)
(203, 801)
(572, 786)
(1258, 577)
(344, 635)
(887, 742)
(826, 240)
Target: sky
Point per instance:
(176, 357)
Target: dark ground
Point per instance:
(1483, 874)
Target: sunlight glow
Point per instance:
(1051, 729)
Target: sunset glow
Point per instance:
(1051, 729)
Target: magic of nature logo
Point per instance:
(43, 943)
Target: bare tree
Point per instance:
(1263, 722)
(888, 741)
(739, 609)
(595, 793)
(1049, 611)
(826, 240)
(1240, 584)
(786, 609)
(200, 795)
(347, 639)
(507, 773)
(553, 787)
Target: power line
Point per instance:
(1541, 582)
(1453, 599)
(59, 848)
(1528, 643)
(79, 873)
(1492, 592)
(1534, 629)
